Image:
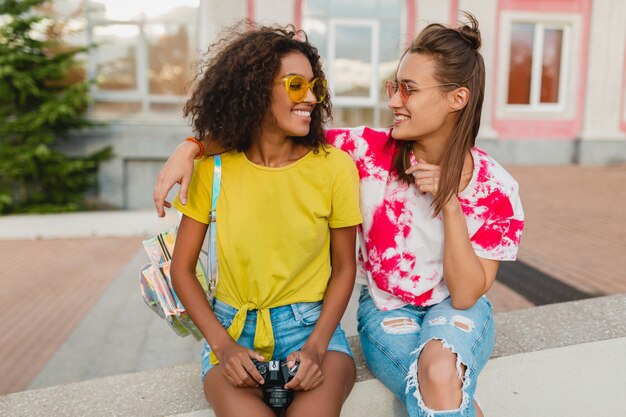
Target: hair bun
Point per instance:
(470, 33)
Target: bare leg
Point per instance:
(439, 382)
(479, 412)
(228, 400)
(328, 398)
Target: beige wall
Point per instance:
(604, 92)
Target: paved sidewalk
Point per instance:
(55, 269)
(575, 232)
(576, 224)
(47, 287)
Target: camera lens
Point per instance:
(277, 398)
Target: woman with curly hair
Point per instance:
(439, 214)
(287, 209)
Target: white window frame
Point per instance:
(571, 24)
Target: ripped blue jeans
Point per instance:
(392, 342)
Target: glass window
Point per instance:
(317, 32)
(125, 10)
(360, 42)
(351, 116)
(389, 9)
(146, 55)
(535, 56)
(520, 63)
(389, 52)
(167, 108)
(116, 57)
(352, 67)
(317, 7)
(171, 58)
(116, 109)
(551, 65)
(353, 8)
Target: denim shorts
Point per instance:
(292, 325)
(392, 341)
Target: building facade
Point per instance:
(555, 91)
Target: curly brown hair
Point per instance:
(233, 90)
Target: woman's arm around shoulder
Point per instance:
(178, 169)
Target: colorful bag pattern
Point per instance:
(155, 280)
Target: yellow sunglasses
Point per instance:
(297, 87)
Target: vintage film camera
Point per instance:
(276, 374)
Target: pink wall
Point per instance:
(568, 6)
(411, 20)
(454, 12)
(622, 115)
(250, 11)
(297, 14)
(546, 129)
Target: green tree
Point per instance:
(43, 98)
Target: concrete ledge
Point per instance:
(591, 150)
(561, 359)
(602, 151)
(85, 224)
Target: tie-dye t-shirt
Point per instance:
(401, 255)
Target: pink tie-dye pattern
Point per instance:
(476, 206)
(380, 237)
(375, 161)
(386, 227)
(423, 299)
(501, 233)
(486, 205)
(340, 138)
(493, 204)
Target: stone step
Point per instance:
(561, 359)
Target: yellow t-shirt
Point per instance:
(273, 230)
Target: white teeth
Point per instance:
(400, 117)
(302, 113)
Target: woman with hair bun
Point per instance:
(439, 214)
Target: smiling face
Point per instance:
(428, 112)
(288, 118)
